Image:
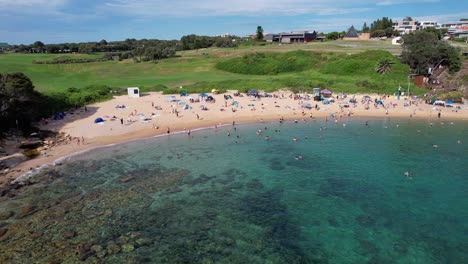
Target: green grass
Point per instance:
(196, 70)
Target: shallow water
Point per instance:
(240, 199)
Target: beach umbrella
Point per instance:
(98, 120)
(449, 102)
(326, 91)
(183, 94)
(214, 91)
(203, 95)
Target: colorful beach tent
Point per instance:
(98, 120)
(214, 91)
(183, 94)
(170, 98)
(203, 95)
(325, 91)
(252, 92)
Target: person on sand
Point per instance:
(438, 115)
(121, 121)
(82, 140)
(168, 130)
(198, 117)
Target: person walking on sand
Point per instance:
(438, 115)
(121, 120)
(82, 140)
(168, 130)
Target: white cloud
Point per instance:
(235, 8)
(398, 2)
(441, 18)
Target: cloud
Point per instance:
(442, 17)
(391, 2)
(234, 8)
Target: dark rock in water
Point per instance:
(6, 215)
(333, 222)
(3, 231)
(365, 220)
(254, 184)
(275, 164)
(368, 248)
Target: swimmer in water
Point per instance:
(408, 175)
(294, 139)
(459, 142)
(435, 146)
(298, 157)
(267, 138)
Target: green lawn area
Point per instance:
(196, 70)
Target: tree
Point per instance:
(333, 35)
(382, 27)
(259, 36)
(384, 66)
(38, 45)
(365, 28)
(19, 103)
(423, 50)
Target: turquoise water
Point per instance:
(213, 198)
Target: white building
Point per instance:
(133, 92)
(427, 24)
(405, 26)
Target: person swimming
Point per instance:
(294, 139)
(298, 157)
(408, 175)
(267, 138)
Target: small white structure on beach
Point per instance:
(397, 41)
(133, 92)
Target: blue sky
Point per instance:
(58, 21)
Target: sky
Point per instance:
(59, 21)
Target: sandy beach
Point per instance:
(157, 114)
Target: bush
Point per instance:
(272, 63)
(68, 60)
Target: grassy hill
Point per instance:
(342, 66)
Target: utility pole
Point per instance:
(408, 84)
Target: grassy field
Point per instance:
(350, 71)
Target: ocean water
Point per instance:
(339, 194)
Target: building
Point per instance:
(458, 29)
(270, 37)
(458, 32)
(352, 34)
(405, 26)
(455, 24)
(295, 37)
(427, 24)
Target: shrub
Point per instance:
(272, 63)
